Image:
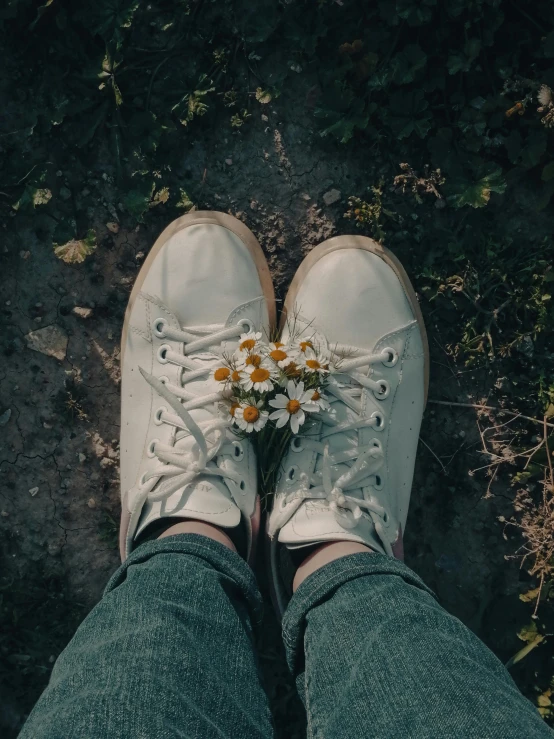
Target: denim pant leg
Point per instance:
(166, 653)
(374, 655)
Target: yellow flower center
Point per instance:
(291, 370)
(313, 364)
(316, 396)
(233, 408)
(222, 374)
(247, 344)
(306, 345)
(251, 414)
(259, 375)
(278, 344)
(293, 406)
(254, 359)
(278, 355)
(235, 376)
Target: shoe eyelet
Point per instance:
(162, 353)
(238, 451)
(158, 415)
(248, 323)
(379, 424)
(242, 485)
(158, 327)
(151, 448)
(375, 443)
(378, 484)
(384, 390)
(393, 356)
(296, 444)
(291, 474)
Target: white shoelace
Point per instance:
(179, 467)
(366, 460)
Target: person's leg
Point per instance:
(375, 655)
(372, 651)
(166, 653)
(168, 650)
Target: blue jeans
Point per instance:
(168, 652)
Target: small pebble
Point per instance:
(33, 491)
(91, 503)
(5, 514)
(82, 457)
(82, 312)
(331, 197)
(229, 161)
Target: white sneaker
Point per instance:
(348, 475)
(205, 282)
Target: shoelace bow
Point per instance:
(366, 461)
(179, 467)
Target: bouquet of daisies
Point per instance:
(269, 390)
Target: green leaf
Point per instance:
(534, 148)
(407, 63)
(76, 251)
(477, 194)
(548, 172)
(184, 202)
(409, 114)
(137, 202)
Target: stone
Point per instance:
(50, 340)
(82, 312)
(113, 227)
(5, 417)
(33, 491)
(332, 196)
(91, 503)
(82, 457)
(229, 161)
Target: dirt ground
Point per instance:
(59, 448)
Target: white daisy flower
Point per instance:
(282, 354)
(319, 398)
(254, 358)
(305, 344)
(293, 406)
(249, 416)
(312, 361)
(260, 378)
(227, 374)
(248, 342)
